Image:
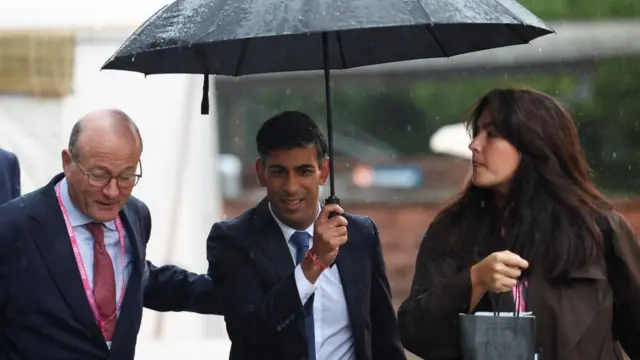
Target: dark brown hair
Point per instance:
(550, 215)
(289, 130)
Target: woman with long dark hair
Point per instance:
(530, 217)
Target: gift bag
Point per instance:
(498, 335)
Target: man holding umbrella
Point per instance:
(299, 283)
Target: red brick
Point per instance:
(401, 229)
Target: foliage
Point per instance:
(404, 117)
(610, 124)
(583, 9)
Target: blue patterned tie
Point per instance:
(300, 240)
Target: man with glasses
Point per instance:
(73, 275)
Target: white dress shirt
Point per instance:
(333, 337)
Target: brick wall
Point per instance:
(401, 229)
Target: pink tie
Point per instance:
(104, 282)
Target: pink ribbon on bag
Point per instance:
(518, 300)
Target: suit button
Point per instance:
(278, 329)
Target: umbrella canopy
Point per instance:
(242, 37)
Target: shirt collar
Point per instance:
(76, 216)
(287, 231)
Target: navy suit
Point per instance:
(44, 313)
(9, 176)
(250, 260)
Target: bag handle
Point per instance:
(496, 309)
(517, 301)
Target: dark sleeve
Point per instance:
(624, 277)
(6, 237)
(385, 339)
(15, 186)
(12, 228)
(428, 318)
(170, 288)
(252, 313)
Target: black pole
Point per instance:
(332, 199)
(204, 104)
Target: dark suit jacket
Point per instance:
(44, 313)
(248, 256)
(578, 321)
(9, 176)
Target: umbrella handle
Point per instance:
(332, 200)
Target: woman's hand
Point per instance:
(498, 272)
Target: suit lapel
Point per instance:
(270, 240)
(351, 267)
(50, 236)
(132, 228)
(126, 319)
(271, 246)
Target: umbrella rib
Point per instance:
(517, 18)
(429, 28)
(341, 49)
(245, 45)
(524, 41)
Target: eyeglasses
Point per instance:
(103, 179)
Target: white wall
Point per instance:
(30, 127)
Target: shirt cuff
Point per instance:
(305, 288)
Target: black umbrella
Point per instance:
(243, 37)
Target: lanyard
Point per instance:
(83, 273)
